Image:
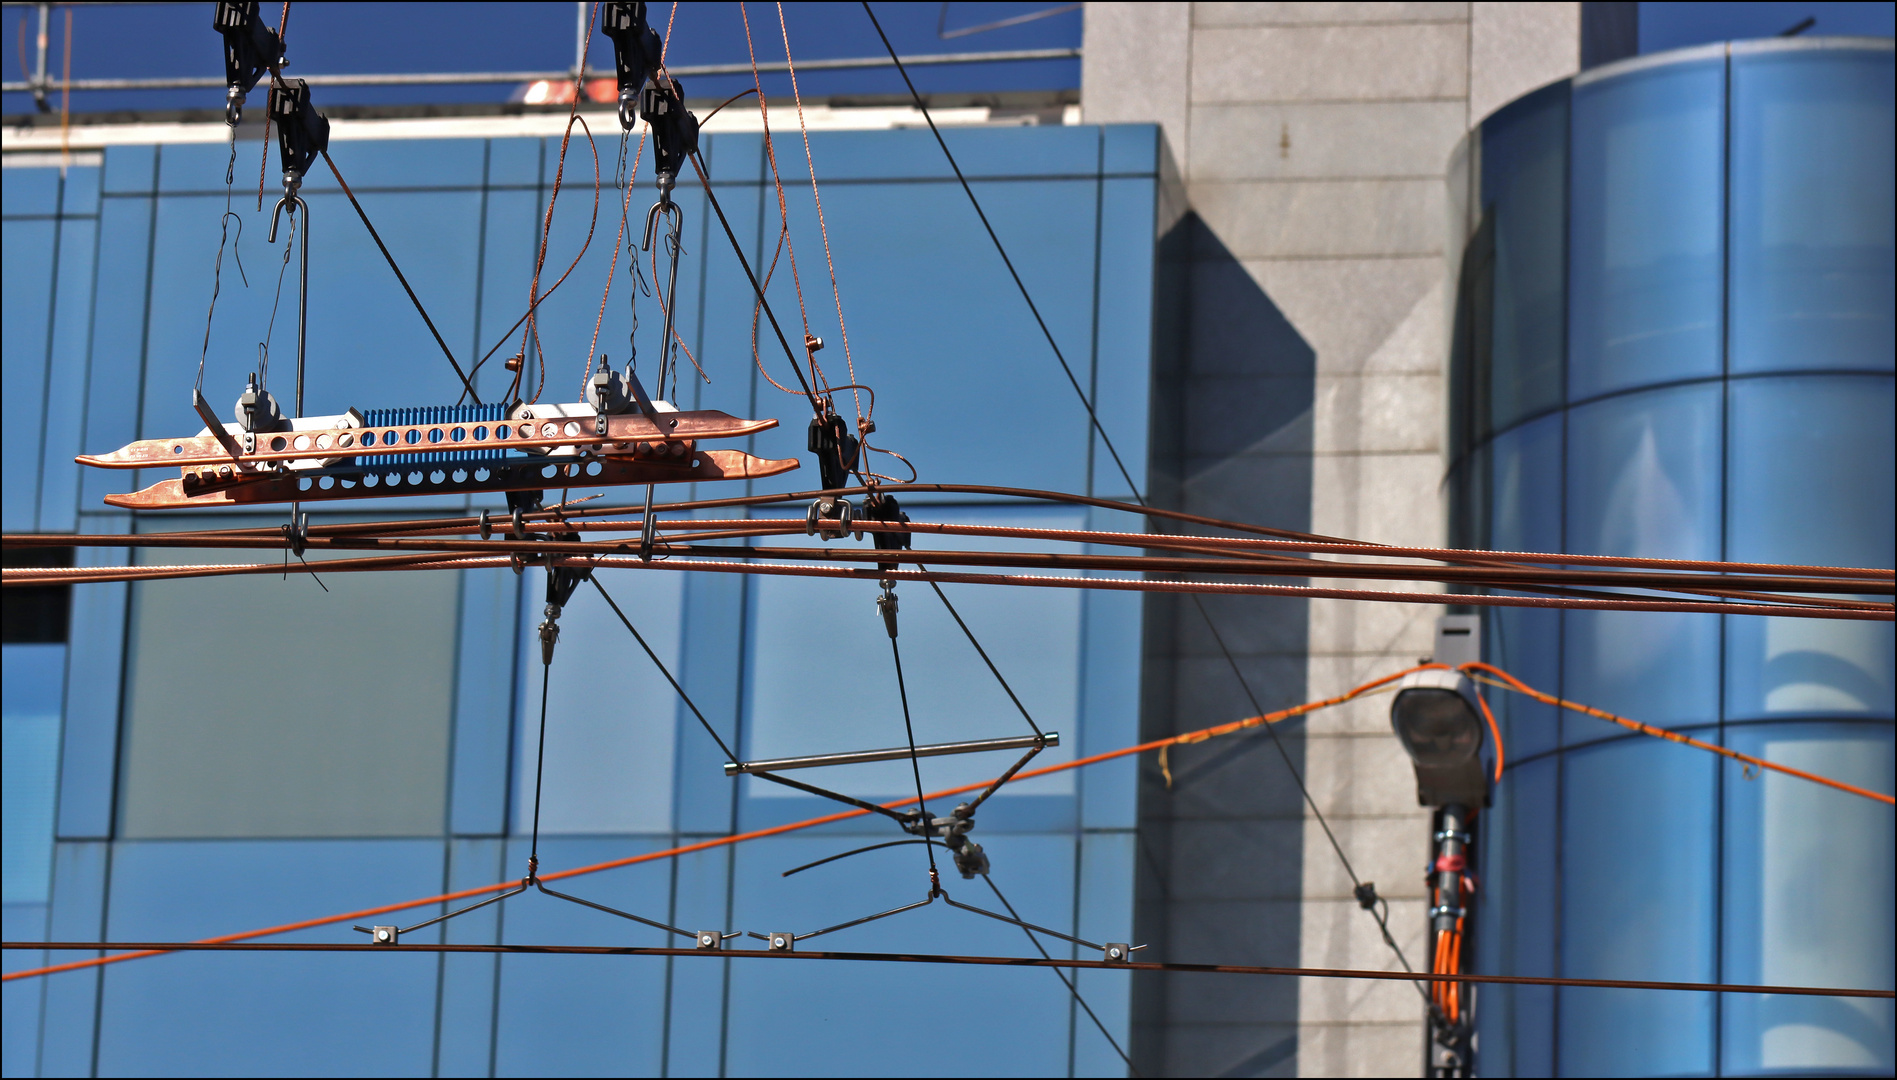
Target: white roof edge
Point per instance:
(95, 137)
(1722, 49)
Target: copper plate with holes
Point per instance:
(522, 434)
(454, 477)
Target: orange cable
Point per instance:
(1493, 730)
(722, 841)
(1512, 683)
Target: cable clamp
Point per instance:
(1450, 911)
(1119, 952)
(1451, 834)
(382, 935)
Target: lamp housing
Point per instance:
(1435, 718)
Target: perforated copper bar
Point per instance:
(623, 434)
(514, 475)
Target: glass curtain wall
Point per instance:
(385, 750)
(1676, 341)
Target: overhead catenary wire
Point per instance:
(1264, 537)
(156, 948)
(1200, 735)
(858, 565)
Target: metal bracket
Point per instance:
(1119, 952)
(218, 431)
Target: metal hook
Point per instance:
(291, 200)
(663, 206)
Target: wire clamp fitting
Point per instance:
(780, 943)
(886, 604)
(711, 939)
(1119, 952)
(297, 534)
(382, 935)
(1447, 911)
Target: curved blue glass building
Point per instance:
(1675, 339)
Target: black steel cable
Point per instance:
(663, 670)
(737, 249)
(540, 760)
(939, 958)
(1062, 976)
(416, 300)
(984, 656)
(915, 766)
(1107, 441)
(1009, 263)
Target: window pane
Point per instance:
(609, 752)
(1643, 479)
(1524, 185)
(1813, 449)
(1647, 216)
(32, 691)
(1525, 641)
(1519, 909)
(1814, 198)
(27, 250)
(1527, 463)
(231, 1014)
(876, 1008)
(1805, 450)
(1809, 886)
(553, 1013)
(946, 336)
(262, 706)
(1637, 902)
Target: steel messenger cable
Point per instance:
(1201, 735)
(155, 947)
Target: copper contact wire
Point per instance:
(1186, 738)
(550, 552)
(1234, 561)
(1281, 539)
(1495, 573)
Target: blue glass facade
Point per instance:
(372, 743)
(1675, 340)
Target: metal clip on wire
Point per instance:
(250, 49)
(636, 52)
